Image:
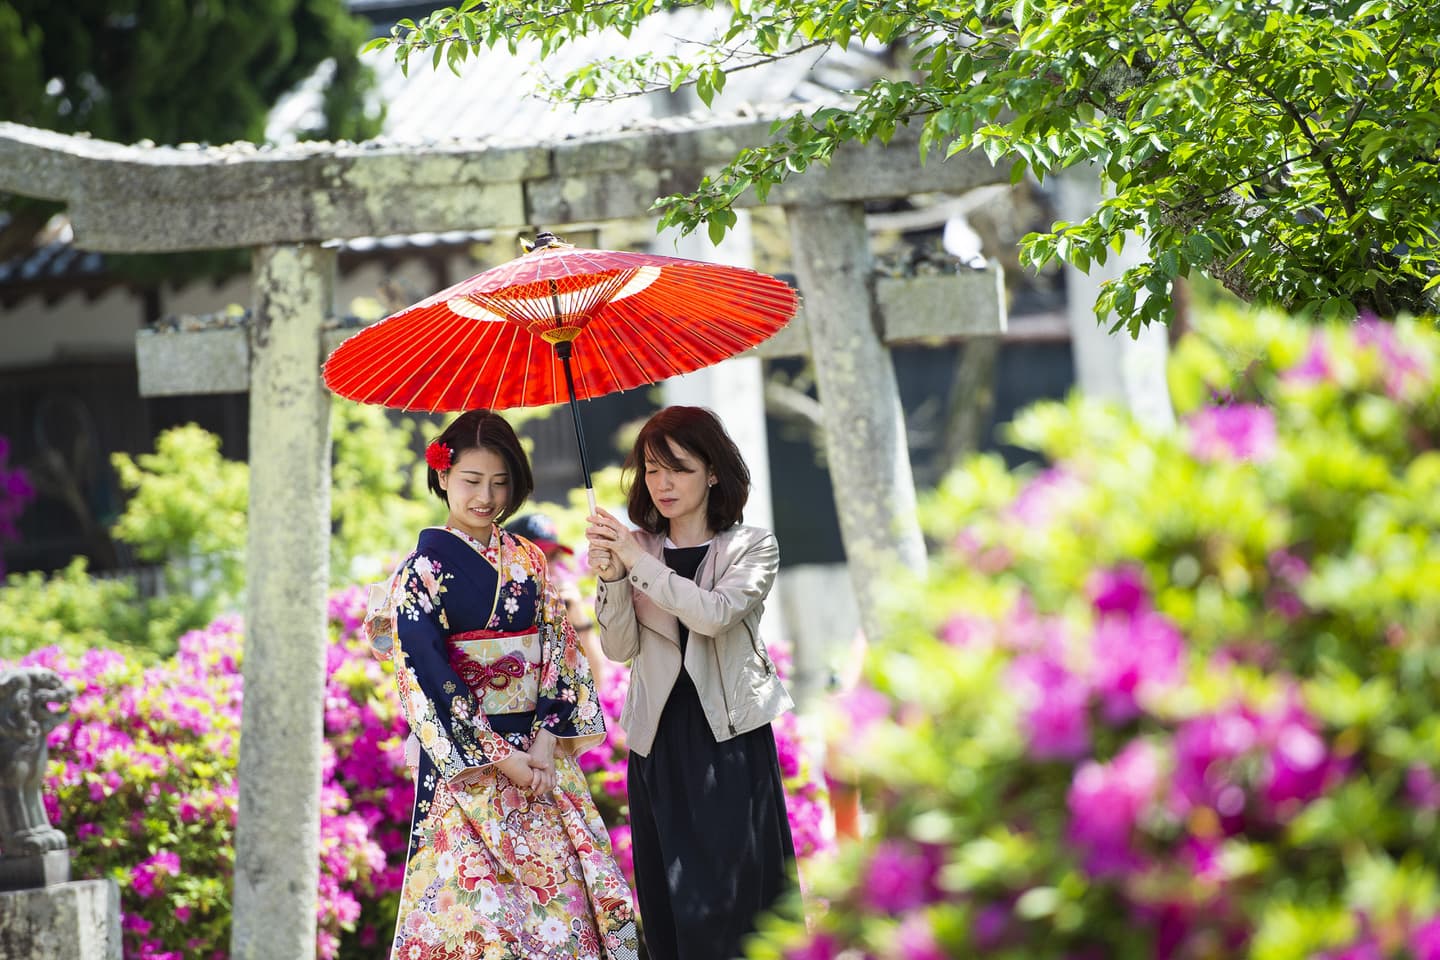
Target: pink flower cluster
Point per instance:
(147, 761)
(1234, 432)
(1421, 939)
(1132, 653)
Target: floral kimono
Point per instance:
(484, 658)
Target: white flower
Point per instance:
(445, 865)
(511, 605)
(489, 902)
(423, 565)
(553, 932)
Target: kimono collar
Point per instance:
(501, 542)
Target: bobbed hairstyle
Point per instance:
(486, 429)
(699, 432)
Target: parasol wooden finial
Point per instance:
(544, 240)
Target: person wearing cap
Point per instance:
(540, 530)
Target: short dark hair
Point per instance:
(485, 428)
(699, 432)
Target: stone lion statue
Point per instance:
(26, 718)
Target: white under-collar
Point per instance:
(670, 544)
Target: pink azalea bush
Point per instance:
(143, 782)
(1174, 695)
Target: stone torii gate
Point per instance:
(285, 205)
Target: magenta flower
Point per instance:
(1422, 788)
(1106, 802)
(861, 707)
(1236, 432)
(1224, 760)
(1298, 767)
(1039, 502)
(146, 879)
(1404, 370)
(900, 876)
(915, 940)
(1425, 940)
(1205, 751)
(624, 850)
(1133, 654)
(820, 947)
(1118, 591)
(1316, 365)
(1364, 950)
(1055, 705)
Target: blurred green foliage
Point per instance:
(186, 512)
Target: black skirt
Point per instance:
(710, 834)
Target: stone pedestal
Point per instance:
(68, 921)
(40, 870)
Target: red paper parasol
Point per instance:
(559, 323)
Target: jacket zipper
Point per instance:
(755, 645)
(724, 697)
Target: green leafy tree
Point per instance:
(173, 71)
(378, 495)
(1287, 149)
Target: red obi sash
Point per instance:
(496, 674)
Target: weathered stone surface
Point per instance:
(138, 198)
(942, 306)
(193, 361)
(860, 402)
(71, 921)
(33, 701)
(287, 569)
(37, 870)
(878, 170)
(934, 308)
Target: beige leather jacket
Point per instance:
(639, 619)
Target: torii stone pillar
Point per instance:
(277, 837)
(860, 400)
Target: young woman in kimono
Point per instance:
(508, 857)
(681, 599)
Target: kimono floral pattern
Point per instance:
(493, 872)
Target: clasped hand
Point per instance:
(533, 770)
(613, 547)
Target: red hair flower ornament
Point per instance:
(437, 455)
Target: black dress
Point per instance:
(710, 834)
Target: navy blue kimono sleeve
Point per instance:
(439, 707)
